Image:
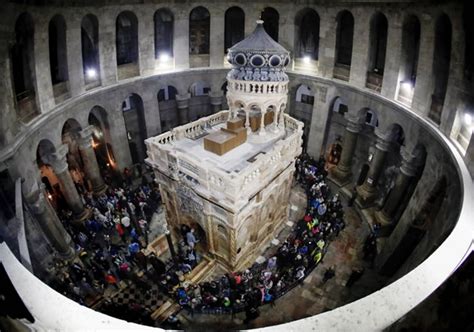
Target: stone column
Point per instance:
(392, 58)
(216, 49)
(404, 178)
(152, 113)
(360, 49)
(182, 101)
(262, 123)
(327, 43)
(281, 121)
(247, 121)
(216, 101)
(368, 190)
(74, 55)
(50, 223)
(181, 40)
(59, 163)
(91, 167)
(107, 47)
(342, 174)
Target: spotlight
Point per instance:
(307, 59)
(91, 73)
(50, 196)
(468, 119)
(164, 57)
(407, 85)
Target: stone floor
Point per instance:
(312, 297)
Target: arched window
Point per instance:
(58, 50)
(305, 95)
(344, 40)
(234, 27)
(468, 26)
(23, 60)
(199, 88)
(164, 25)
(168, 93)
(441, 63)
(271, 21)
(90, 48)
(199, 31)
(378, 43)
(307, 34)
(409, 58)
(134, 117)
(127, 38)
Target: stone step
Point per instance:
(164, 311)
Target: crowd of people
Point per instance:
(299, 254)
(109, 251)
(108, 244)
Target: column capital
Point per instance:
(58, 160)
(85, 140)
(383, 141)
(353, 123)
(36, 200)
(216, 97)
(183, 100)
(409, 165)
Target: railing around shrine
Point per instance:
(235, 186)
(254, 87)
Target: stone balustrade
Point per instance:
(258, 88)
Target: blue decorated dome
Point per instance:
(258, 58)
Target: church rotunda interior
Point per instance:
(216, 165)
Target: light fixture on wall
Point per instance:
(468, 119)
(307, 59)
(164, 57)
(91, 73)
(407, 85)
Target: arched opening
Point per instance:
(44, 151)
(271, 22)
(70, 136)
(468, 27)
(334, 131)
(168, 108)
(409, 59)
(58, 55)
(441, 64)
(223, 247)
(134, 117)
(102, 142)
(303, 109)
(90, 51)
(199, 37)
(344, 41)
(199, 104)
(377, 52)
(307, 36)
(164, 29)
(126, 41)
(234, 30)
(23, 64)
(463, 125)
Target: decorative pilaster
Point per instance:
(182, 101)
(91, 167)
(59, 163)
(74, 55)
(367, 192)
(392, 60)
(50, 223)
(181, 40)
(342, 173)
